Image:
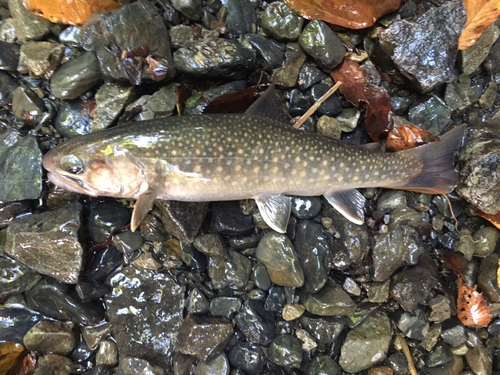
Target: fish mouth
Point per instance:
(71, 184)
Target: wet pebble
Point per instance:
(411, 287)
(453, 333)
(293, 311)
(15, 321)
(128, 241)
(52, 299)
(107, 354)
(217, 365)
(28, 26)
(104, 262)
(41, 58)
(329, 126)
(285, 350)
(189, 8)
(276, 298)
(313, 250)
(212, 245)
(48, 243)
(277, 253)
(9, 56)
(197, 302)
(214, 58)
(54, 364)
(331, 106)
(76, 77)
(7, 87)
(428, 38)
(269, 55)
(473, 56)
(27, 106)
(281, 22)
(72, 120)
(480, 360)
(134, 366)
(306, 207)
(288, 75)
(233, 271)
(182, 219)
(486, 278)
(331, 300)
(91, 290)
(204, 337)
(477, 162)
(124, 29)
(145, 303)
(225, 306)
(111, 99)
(432, 115)
(322, 44)
(254, 327)
(322, 365)
(309, 75)
(348, 119)
(15, 277)
(367, 344)
(400, 247)
(391, 200)
(94, 335)
(414, 324)
(152, 229)
(459, 96)
(241, 17)
(104, 217)
(247, 357)
(51, 337)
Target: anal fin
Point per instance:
(143, 205)
(275, 210)
(350, 203)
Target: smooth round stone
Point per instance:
(309, 74)
(233, 272)
(107, 354)
(322, 44)
(76, 77)
(277, 253)
(453, 335)
(366, 344)
(331, 106)
(487, 277)
(217, 365)
(261, 277)
(128, 241)
(51, 337)
(406, 216)
(331, 300)
(93, 335)
(306, 207)
(480, 360)
(281, 22)
(247, 357)
(487, 238)
(285, 350)
(81, 353)
(439, 355)
(293, 311)
(351, 287)
(329, 126)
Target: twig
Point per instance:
(316, 105)
(406, 352)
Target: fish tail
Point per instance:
(438, 175)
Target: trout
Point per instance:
(239, 156)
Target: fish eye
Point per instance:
(72, 164)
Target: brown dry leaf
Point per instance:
(353, 14)
(235, 102)
(480, 15)
(9, 354)
(455, 261)
(471, 305)
(493, 219)
(355, 88)
(70, 12)
(407, 136)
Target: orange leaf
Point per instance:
(71, 12)
(354, 14)
(480, 15)
(472, 307)
(407, 136)
(493, 219)
(355, 88)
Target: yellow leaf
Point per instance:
(9, 352)
(480, 15)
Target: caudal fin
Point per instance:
(438, 174)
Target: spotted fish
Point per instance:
(237, 156)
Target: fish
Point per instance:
(254, 155)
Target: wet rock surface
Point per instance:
(209, 288)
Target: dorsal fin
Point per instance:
(269, 106)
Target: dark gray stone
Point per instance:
(432, 115)
(76, 77)
(414, 324)
(28, 26)
(412, 286)
(247, 357)
(182, 219)
(145, 310)
(331, 300)
(9, 56)
(285, 350)
(241, 17)
(427, 48)
(7, 87)
(254, 327)
(269, 55)
(15, 321)
(281, 22)
(137, 366)
(72, 120)
(15, 278)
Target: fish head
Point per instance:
(95, 169)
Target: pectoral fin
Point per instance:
(143, 205)
(350, 203)
(275, 210)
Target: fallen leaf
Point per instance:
(472, 307)
(493, 219)
(353, 14)
(9, 354)
(70, 12)
(480, 15)
(356, 89)
(157, 68)
(235, 102)
(455, 261)
(407, 136)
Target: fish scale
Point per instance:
(238, 156)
